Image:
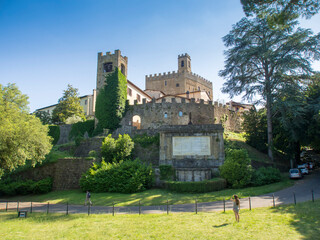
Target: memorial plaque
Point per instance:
(191, 146)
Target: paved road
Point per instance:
(301, 189)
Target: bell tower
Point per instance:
(184, 63)
(107, 64)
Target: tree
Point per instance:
(260, 60)
(44, 117)
(255, 127)
(111, 101)
(116, 150)
(22, 136)
(68, 106)
(280, 13)
(313, 112)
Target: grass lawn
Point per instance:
(151, 197)
(284, 222)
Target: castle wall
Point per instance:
(173, 83)
(156, 114)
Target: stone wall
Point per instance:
(64, 134)
(153, 115)
(66, 173)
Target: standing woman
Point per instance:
(236, 206)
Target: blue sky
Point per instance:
(46, 45)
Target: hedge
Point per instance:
(80, 128)
(54, 132)
(196, 187)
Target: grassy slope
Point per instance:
(284, 222)
(152, 196)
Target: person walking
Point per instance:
(88, 199)
(236, 206)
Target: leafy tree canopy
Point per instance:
(68, 106)
(22, 136)
(260, 61)
(44, 117)
(280, 13)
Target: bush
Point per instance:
(42, 186)
(166, 172)
(116, 150)
(80, 128)
(54, 132)
(236, 168)
(20, 187)
(122, 177)
(264, 176)
(197, 187)
(145, 141)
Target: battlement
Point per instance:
(116, 53)
(183, 55)
(161, 75)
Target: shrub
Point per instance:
(80, 128)
(116, 150)
(197, 187)
(122, 177)
(264, 176)
(54, 132)
(166, 172)
(236, 168)
(42, 186)
(144, 140)
(11, 188)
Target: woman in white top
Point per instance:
(236, 206)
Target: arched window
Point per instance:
(165, 115)
(180, 113)
(136, 121)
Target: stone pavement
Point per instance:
(300, 192)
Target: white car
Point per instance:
(295, 173)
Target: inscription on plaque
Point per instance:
(191, 146)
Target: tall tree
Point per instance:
(111, 101)
(259, 59)
(22, 136)
(280, 13)
(68, 106)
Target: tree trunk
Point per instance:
(269, 125)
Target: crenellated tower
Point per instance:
(107, 64)
(181, 82)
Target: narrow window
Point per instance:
(85, 102)
(182, 63)
(180, 114)
(165, 83)
(198, 88)
(123, 69)
(129, 92)
(138, 98)
(165, 115)
(177, 85)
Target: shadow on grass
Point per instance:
(41, 217)
(221, 225)
(306, 218)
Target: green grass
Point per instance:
(152, 196)
(284, 222)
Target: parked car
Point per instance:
(303, 168)
(310, 164)
(295, 173)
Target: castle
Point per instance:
(172, 95)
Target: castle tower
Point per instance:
(107, 64)
(184, 63)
